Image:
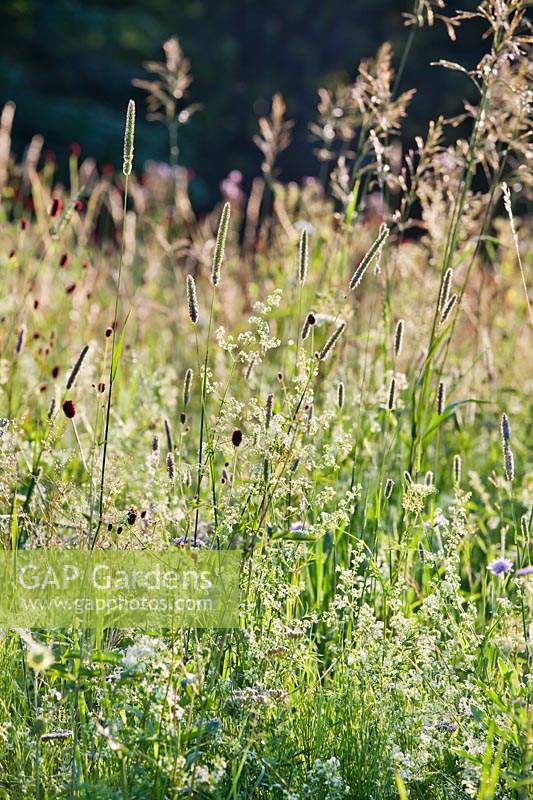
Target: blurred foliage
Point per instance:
(68, 65)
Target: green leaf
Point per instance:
(118, 348)
(14, 525)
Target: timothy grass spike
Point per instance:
(129, 137)
(369, 257)
(220, 244)
(192, 300)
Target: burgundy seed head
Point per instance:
(236, 438)
(132, 516)
(63, 261)
(108, 332)
(69, 409)
(55, 372)
(23, 224)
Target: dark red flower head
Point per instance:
(63, 261)
(69, 409)
(236, 438)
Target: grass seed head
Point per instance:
(220, 244)
(340, 395)
(192, 300)
(331, 342)
(303, 257)
(441, 397)
(76, 368)
(457, 468)
(508, 463)
(398, 337)
(448, 308)
(129, 137)
(187, 381)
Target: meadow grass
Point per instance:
(334, 377)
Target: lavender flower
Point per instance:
(525, 570)
(500, 566)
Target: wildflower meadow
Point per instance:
(333, 379)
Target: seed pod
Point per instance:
(331, 342)
(303, 257)
(192, 300)
(391, 401)
(389, 486)
(129, 136)
(398, 337)
(441, 397)
(187, 387)
(429, 478)
(408, 478)
(155, 444)
(76, 368)
(220, 244)
(457, 467)
(51, 409)
(269, 410)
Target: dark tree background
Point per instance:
(68, 65)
